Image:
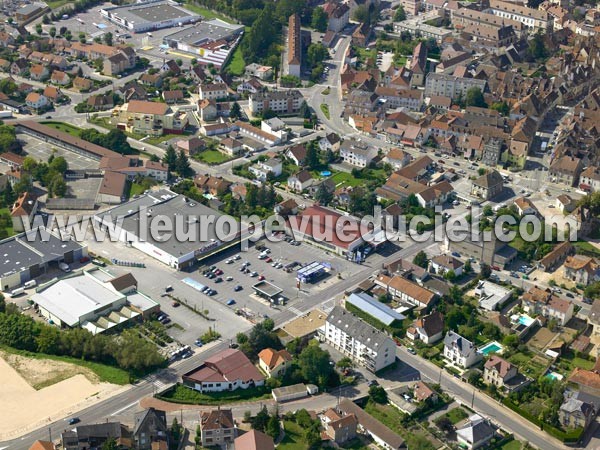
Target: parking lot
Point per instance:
(41, 151)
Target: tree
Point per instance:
(110, 444)
(319, 19)
(400, 14)
(537, 48)
(82, 37)
(58, 187)
(467, 268)
(52, 31)
(304, 110)
(312, 157)
(170, 158)
(25, 184)
(475, 98)
(235, 112)
(378, 394)
(38, 28)
(485, 270)
(361, 14)
(273, 427)
(262, 34)
(323, 195)
(511, 341)
(314, 364)
(450, 275)
(502, 107)
(421, 259)
(445, 424)
(316, 54)
(182, 165)
(345, 363)
(108, 38)
(261, 420)
(59, 164)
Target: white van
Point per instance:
(17, 292)
(30, 284)
(64, 267)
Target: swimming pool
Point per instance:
(554, 376)
(525, 320)
(325, 173)
(491, 347)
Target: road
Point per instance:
(482, 403)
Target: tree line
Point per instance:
(127, 350)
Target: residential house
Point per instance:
(208, 110)
(300, 181)
(397, 158)
(475, 433)
(52, 93)
(213, 91)
(435, 194)
(338, 14)
(113, 188)
(459, 351)
(565, 204)
(154, 80)
(357, 153)
(556, 257)
(254, 440)
(39, 72)
(423, 393)
(407, 291)
(274, 362)
(541, 302)
(566, 170)
(487, 186)
(576, 412)
(498, 371)
(339, 428)
(42, 445)
(170, 66)
(19, 67)
(60, 78)
(101, 102)
(589, 180)
(429, 328)
(491, 296)
(276, 127)
(525, 207)
(382, 435)
(209, 184)
(259, 135)
(217, 428)
(231, 146)
(36, 102)
(297, 153)
(331, 142)
(263, 169)
(150, 118)
(191, 146)
(229, 370)
(23, 211)
(86, 437)
(363, 343)
(258, 71)
(171, 97)
(81, 84)
(442, 264)
(150, 429)
(251, 86)
(582, 269)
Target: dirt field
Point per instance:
(541, 338)
(63, 390)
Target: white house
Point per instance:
(356, 153)
(475, 433)
(262, 169)
(276, 127)
(300, 181)
(213, 91)
(460, 351)
(330, 142)
(428, 329)
(443, 264)
(36, 101)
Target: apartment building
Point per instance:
(440, 84)
(566, 170)
(411, 7)
(283, 102)
(112, 64)
(366, 345)
(589, 179)
(217, 427)
(533, 19)
(294, 46)
(153, 118)
(213, 91)
(541, 302)
(407, 291)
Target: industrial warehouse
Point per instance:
(133, 222)
(211, 42)
(149, 15)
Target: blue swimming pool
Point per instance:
(491, 347)
(325, 173)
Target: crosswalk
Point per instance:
(296, 311)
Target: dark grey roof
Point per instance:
(465, 347)
(99, 430)
(476, 430)
(160, 419)
(358, 329)
(372, 425)
(491, 178)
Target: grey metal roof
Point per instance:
(150, 12)
(374, 308)
(37, 246)
(465, 347)
(201, 32)
(357, 328)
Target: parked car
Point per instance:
(230, 302)
(175, 304)
(238, 288)
(199, 343)
(218, 280)
(411, 351)
(456, 254)
(229, 278)
(568, 294)
(74, 420)
(495, 268)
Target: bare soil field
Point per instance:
(34, 392)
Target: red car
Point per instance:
(260, 278)
(268, 259)
(495, 268)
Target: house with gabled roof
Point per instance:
(217, 427)
(475, 433)
(274, 362)
(150, 429)
(460, 351)
(429, 328)
(300, 181)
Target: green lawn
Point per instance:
(512, 445)
(207, 13)
(5, 212)
(236, 65)
(586, 248)
(354, 444)
(325, 109)
(345, 179)
(456, 415)
(55, 4)
(182, 394)
(64, 127)
(213, 157)
(387, 415)
(294, 437)
(136, 189)
(155, 140)
(106, 374)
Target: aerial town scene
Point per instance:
(299, 224)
